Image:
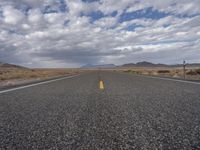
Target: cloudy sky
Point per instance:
(71, 33)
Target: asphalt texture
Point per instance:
(132, 112)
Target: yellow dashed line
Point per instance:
(101, 85)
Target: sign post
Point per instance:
(184, 65)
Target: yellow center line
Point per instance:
(101, 85)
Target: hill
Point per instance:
(149, 64)
(144, 64)
(7, 65)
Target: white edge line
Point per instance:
(35, 84)
(191, 82)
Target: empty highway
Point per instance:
(101, 110)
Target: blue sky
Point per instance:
(143, 13)
(71, 33)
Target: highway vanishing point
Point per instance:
(101, 110)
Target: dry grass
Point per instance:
(12, 73)
(191, 73)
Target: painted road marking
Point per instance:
(101, 85)
(31, 85)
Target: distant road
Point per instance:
(101, 110)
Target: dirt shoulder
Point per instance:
(191, 73)
(14, 76)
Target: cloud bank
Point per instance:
(71, 33)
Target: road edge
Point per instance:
(38, 83)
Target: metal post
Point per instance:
(184, 65)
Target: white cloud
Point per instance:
(106, 22)
(12, 15)
(72, 38)
(35, 16)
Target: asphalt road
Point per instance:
(132, 112)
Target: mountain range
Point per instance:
(7, 65)
(149, 64)
(88, 66)
(140, 64)
(144, 64)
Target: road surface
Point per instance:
(129, 112)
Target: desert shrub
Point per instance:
(33, 76)
(131, 71)
(2, 78)
(198, 71)
(163, 71)
(128, 71)
(192, 72)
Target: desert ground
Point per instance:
(13, 76)
(190, 73)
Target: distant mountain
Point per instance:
(149, 64)
(99, 66)
(144, 64)
(7, 65)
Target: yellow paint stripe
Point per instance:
(101, 85)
